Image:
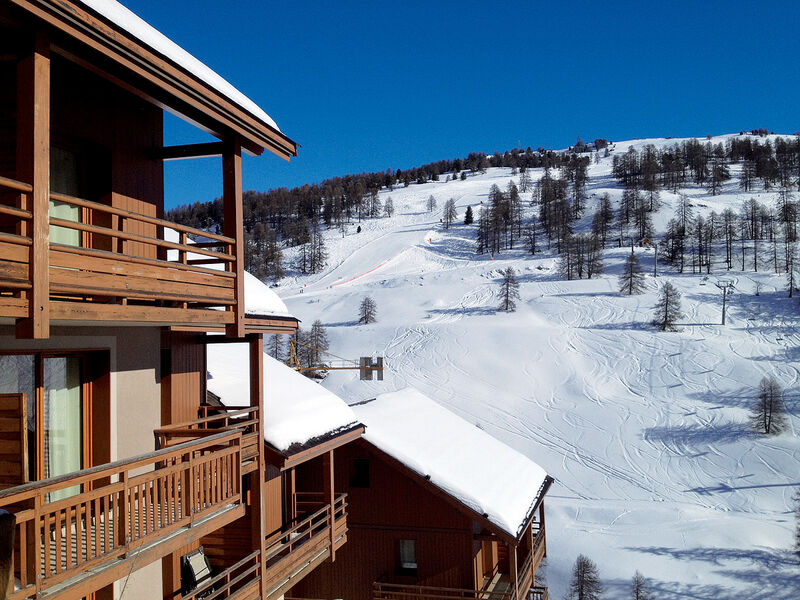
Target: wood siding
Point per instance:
(393, 508)
(183, 383)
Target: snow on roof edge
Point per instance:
(471, 466)
(148, 35)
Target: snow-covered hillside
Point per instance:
(645, 432)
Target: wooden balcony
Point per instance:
(500, 587)
(127, 514)
(240, 581)
(295, 552)
(243, 420)
(120, 268)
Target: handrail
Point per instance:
(17, 186)
(187, 424)
(399, 590)
(10, 495)
(121, 212)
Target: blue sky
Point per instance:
(365, 86)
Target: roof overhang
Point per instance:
(301, 453)
(106, 49)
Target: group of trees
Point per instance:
(284, 217)
(585, 583)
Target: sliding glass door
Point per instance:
(62, 420)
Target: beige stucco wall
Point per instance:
(135, 356)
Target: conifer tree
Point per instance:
(275, 347)
(449, 215)
(388, 207)
(431, 203)
(631, 281)
(468, 218)
(509, 291)
(585, 583)
(640, 590)
(668, 307)
(367, 311)
(318, 339)
(769, 412)
(524, 182)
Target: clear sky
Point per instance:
(365, 86)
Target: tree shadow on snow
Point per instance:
(724, 488)
(771, 573)
(741, 398)
(465, 311)
(698, 435)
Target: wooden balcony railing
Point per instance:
(243, 420)
(538, 593)
(397, 591)
(121, 267)
(291, 554)
(382, 590)
(128, 512)
(239, 581)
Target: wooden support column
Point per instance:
(234, 226)
(541, 525)
(258, 526)
(328, 493)
(33, 166)
(512, 568)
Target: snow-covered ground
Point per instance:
(644, 432)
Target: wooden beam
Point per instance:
(33, 166)
(234, 227)
(329, 495)
(319, 449)
(206, 150)
(512, 569)
(259, 530)
(81, 24)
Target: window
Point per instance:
(56, 416)
(359, 478)
(408, 557)
(64, 179)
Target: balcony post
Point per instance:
(328, 495)
(33, 166)
(234, 227)
(259, 530)
(512, 567)
(541, 526)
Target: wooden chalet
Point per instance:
(113, 470)
(438, 510)
(305, 521)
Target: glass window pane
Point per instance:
(63, 423)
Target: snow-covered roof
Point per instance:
(459, 458)
(259, 299)
(297, 409)
(125, 19)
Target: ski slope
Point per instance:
(645, 432)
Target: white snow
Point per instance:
(297, 409)
(464, 461)
(147, 34)
(259, 299)
(644, 432)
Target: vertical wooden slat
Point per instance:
(328, 495)
(33, 166)
(47, 549)
(234, 226)
(68, 535)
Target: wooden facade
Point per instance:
(94, 281)
(455, 555)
